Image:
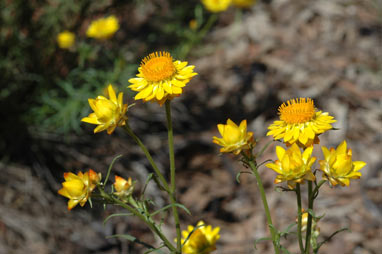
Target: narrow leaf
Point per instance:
(115, 215)
(169, 206)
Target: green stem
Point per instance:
(265, 203)
(148, 155)
(151, 225)
(198, 36)
(309, 225)
(299, 235)
(172, 172)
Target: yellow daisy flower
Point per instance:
(65, 39)
(293, 166)
(201, 241)
(108, 113)
(338, 166)
(123, 187)
(160, 78)
(77, 188)
(243, 3)
(234, 138)
(300, 123)
(103, 28)
(216, 5)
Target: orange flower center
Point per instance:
(158, 66)
(297, 111)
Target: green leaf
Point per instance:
(241, 172)
(260, 240)
(132, 239)
(115, 215)
(284, 250)
(329, 238)
(169, 206)
(110, 167)
(148, 179)
(264, 148)
(286, 231)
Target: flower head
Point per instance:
(160, 78)
(216, 5)
(201, 241)
(292, 165)
(243, 3)
(77, 188)
(300, 123)
(123, 187)
(234, 138)
(103, 28)
(108, 113)
(65, 39)
(338, 166)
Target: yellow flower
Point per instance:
(123, 187)
(108, 113)
(160, 78)
(338, 166)
(300, 123)
(65, 39)
(292, 166)
(216, 5)
(193, 24)
(77, 188)
(103, 28)
(234, 138)
(201, 241)
(243, 3)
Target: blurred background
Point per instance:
(249, 61)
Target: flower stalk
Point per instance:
(253, 166)
(148, 156)
(172, 173)
(299, 218)
(309, 225)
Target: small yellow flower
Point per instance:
(77, 188)
(193, 24)
(243, 3)
(338, 166)
(103, 28)
(304, 223)
(108, 113)
(201, 241)
(65, 39)
(123, 187)
(300, 123)
(160, 78)
(216, 5)
(292, 166)
(234, 138)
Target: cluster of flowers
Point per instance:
(100, 29)
(299, 126)
(160, 79)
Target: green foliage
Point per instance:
(49, 85)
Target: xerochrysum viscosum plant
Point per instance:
(299, 127)
(160, 80)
